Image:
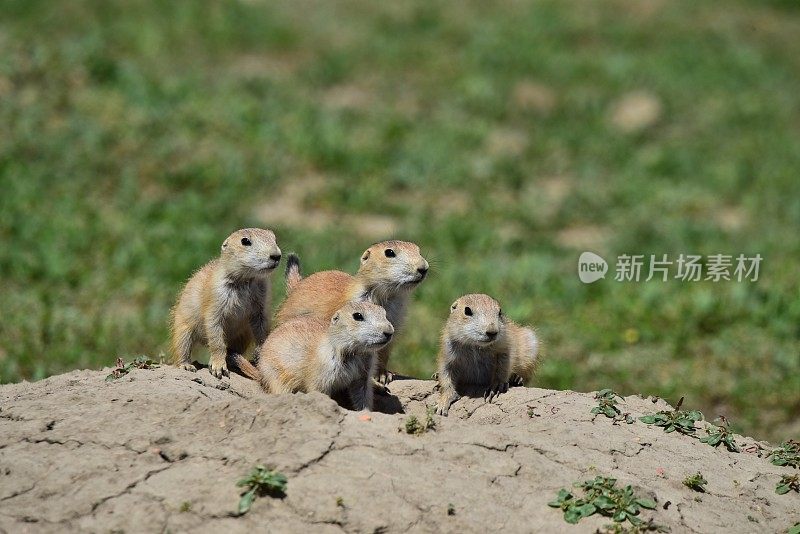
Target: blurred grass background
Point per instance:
(503, 137)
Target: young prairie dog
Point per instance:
(481, 348)
(225, 305)
(388, 272)
(308, 354)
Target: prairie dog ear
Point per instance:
(224, 245)
(453, 307)
(335, 318)
(365, 256)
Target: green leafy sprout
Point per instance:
(787, 454)
(260, 481)
(696, 482)
(122, 368)
(677, 419)
(601, 496)
(788, 483)
(721, 434)
(607, 403)
(414, 426)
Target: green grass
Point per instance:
(136, 135)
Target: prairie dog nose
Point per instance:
(422, 270)
(491, 334)
(275, 256)
(388, 335)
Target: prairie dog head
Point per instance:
(251, 252)
(476, 319)
(359, 325)
(393, 264)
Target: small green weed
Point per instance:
(721, 433)
(261, 481)
(788, 483)
(601, 496)
(696, 482)
(122, 368)
(677, 419)
(414, 426)
(787, 454)
(794, 530)
(607, 403)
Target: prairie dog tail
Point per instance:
(293, 275)
(526, 353)
(535, 343)
(249, 370)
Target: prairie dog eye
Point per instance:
(358, 317)
(389, 253)
(246, 242)
(500, 313)
(468, 311)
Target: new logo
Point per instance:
(591, 267)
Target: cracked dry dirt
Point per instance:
(161, 450)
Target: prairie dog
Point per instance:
(474, 350)
(388, 272)
(524, 347)
(225, 304)
(308, 354)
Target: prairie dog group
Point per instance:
(482, 348)
(388, 272)
(226, 303)
(334, 329)
(308, 354)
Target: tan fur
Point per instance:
(225, 304)
(385, 281)
(525, 347)
(308, 354)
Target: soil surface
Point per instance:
(161, 450)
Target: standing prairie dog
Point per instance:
(481, 348)
(389, 271)
(225, 305)
(307, 354)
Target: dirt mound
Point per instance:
(161, 450)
